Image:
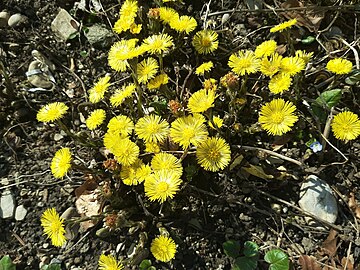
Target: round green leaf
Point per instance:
(251, 249)
(231, 248)
(245, 263)
(277, 259)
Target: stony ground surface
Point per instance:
(235, 205)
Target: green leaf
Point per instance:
(54, 266)
(308, 40)
(277, 259)
(325, 102)
(145, 264)
(232, 248)
(245, 263)
(353, 78)
(83, 54)
(6, 263)
(250, 249)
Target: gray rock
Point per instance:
(317, 198)
(4, 17)
(99, 35)
(38, 78)
(71, 230)
(64, 26)
(20, 212)
(7, 204)
(16, 20)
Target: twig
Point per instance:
(269, 152)
(356, 54)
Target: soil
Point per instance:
(212, 207)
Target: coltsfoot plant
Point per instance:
(165, 106)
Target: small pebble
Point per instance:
(16, 20)
(4, 17)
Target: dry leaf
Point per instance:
(308, 263)
(308, 18)
(329, 245)
(257, 171)
(350, 263)
(88, 205)
(353, 205)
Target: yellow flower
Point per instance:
(121, 124)
(217, 121)
(205, 41)
(53, 227)
(121, 94)
(183, 24)
(280, 83)
(95, 119)
(157, 44)
(339, 66)
(61, 162)
(152, 128)
(189, 130)
(125, 151)
(135, 174)
(292, 65)
(152, 147)
(163, 248)
(213, 154)
(121, 51)
(111, 139)
(266, 48)
(167, 162)
(108, 262)
(346, 126)
(51, 112)
(135, 28)
(271, 66)
(282, 26)
(277, 117)
(129, 8)
(147, 69)
(201, 101)
(304, 55)
(158, 81)
(210, 84)
(244, 62)
(168, 14)
(123, 24)
(207, 66)
(98, 91)
(162, 185)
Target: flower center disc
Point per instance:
(277, 117)
(163, 187)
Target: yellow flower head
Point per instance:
(183, 24)
(162, 185)
(167, 162)
(244, 62)
(123, 24)
(98, 91)
(129, 9)
(218, 122)
(339, 66)
(157, 44)
(304, 55)
(280, 83)
(95, 119)
(270, 67)
(135, 28)
(213, 154)
(292, 65)
(121, 124)
(152, 147)
(266, 48)
(147, 69)
(205, 41)
(210, 84)
(168, 14)
(277, 117)
(121, 94)
(346, 126)
(53, 227)
(163, 248)
(122, 51)
(111, 139)
(125, 151)
(282, 26)
(135, 174)
(51, 112)
(158, 81)
(61, 162)
(152, 128)
(207, 66)
(189, 130)
(201, 101)
(108, 262)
